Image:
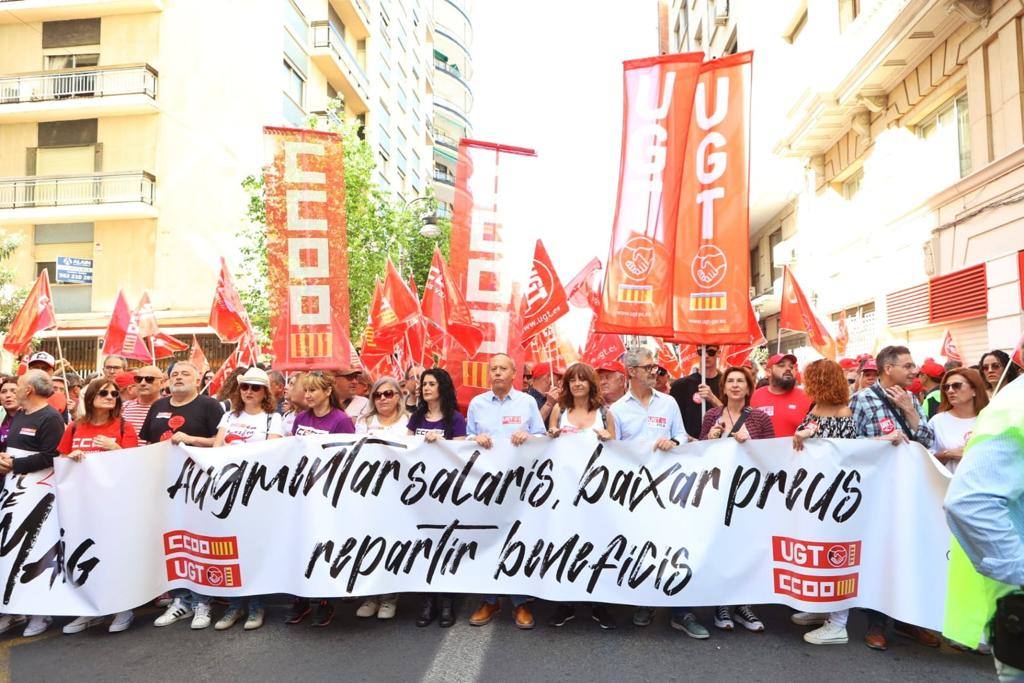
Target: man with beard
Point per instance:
(781, 399)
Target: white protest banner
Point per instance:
(841, 524)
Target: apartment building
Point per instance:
(452, 96)
(127, 126)
(887, 161)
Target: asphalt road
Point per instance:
(352, 649)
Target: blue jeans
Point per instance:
(255, 602)
(680, 612)
(1008, 674)
(190, 598)
(516, 599)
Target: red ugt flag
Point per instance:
(123, 337)
(197, 357)
(227, 313)
(950, 350)
(399, 307)
(445, 309)
(545, 297)
(36, 314)
(796, 314)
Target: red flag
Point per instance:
(797, 315)
(738, 354)
(668, 359)
(197, 357)
(145, 317)
(226, 368)
(1018, 353)
(657, 106)
(711, 280)
(374, 349)
(399, 308)
(545, 297)
(602, 348)
(165, 346)
(35, 315)
(950, 349)
(843, 336)
(227, 313)
(446, 310)
(123, 337)
(580, 290)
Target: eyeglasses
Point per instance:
(955, 386)
(139, 379)
(991, 366)
(646, 368)
(113, 367)
(387, 393)
(250, 387)
(104, 393)
(909, 366)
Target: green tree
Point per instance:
(379, 226)
(11, 296)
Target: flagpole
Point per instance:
(152, 349)
(1002, 378)
(703, 377)
(63, 365)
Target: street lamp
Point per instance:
(429, 229)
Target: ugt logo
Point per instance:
(708, 267)
(541, 285)
(637, 258)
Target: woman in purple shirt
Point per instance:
(436, 417)
(9, 401)
(323, 415)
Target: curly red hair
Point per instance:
(825, 382)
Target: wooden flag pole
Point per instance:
(703, 377)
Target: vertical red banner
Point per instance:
(656, 112)
(307, 250)
(712, 274)
(485, 182)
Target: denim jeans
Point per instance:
(516, 599)
(1008, 674)
(190, 598)
(680, 612)
(255, 602)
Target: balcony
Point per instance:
(23, 11)
(451, 109)
(443, 139)
(334, 57)
(85, 93)
(74, 198)
(453, 71)
(355, 14)
(444, 177)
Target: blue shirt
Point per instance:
(516, 412)
(659, 420)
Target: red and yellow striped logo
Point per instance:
(474, 374)
(310, 344)
(712, 301)
(636, 294)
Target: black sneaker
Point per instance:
(603, 616)
(324, 614)
(564, 613)
(298, 612)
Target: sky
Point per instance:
(547, 75)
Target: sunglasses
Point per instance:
(851, 380)
(139, 379)
(387, 393)
(104, 393)
(711, 352)
(955, 386)
(250, 387)
(991, 366)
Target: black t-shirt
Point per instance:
(540, 398)
(682, 390)
(34, 438)
(198, 417)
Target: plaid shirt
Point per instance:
(874, 417)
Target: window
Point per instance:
(54, 62)
(851, 186)
(60, 240)
(849, 10)
(755, 269)
(796, 27)
(773, 241)
(949, 130)
(733, 45)
(294, 83)
(295, 21)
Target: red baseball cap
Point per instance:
(932, 369)
(544, 368)
(870, 365)
(779, 357)
(124, 379)
(848, 364)
(612, 366)
(915, 386)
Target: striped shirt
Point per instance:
(134, 413)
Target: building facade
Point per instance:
(127, 126)
(452, 96)
(906, 121)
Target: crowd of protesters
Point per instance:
(51, 412)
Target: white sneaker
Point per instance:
(121, 622)
(201, 619)
(9, 621)
(229, 619)
(808, 618)
(368, 608)
(174, 613)
(254, 620)
(388, 607)
(827, 634)
(37, 625)
(746, 618)
(82, 623)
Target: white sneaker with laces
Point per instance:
(9, 621)
(174, 613)
(37, 625)
(388, 607)
(229, 619)
(254, 620)
(368, 608)
(808, 618)
(746, 618)
(121, 622)
(201, 619)
(827, 634)
(723, 619)
(82, 623)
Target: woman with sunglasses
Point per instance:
(9, 402)
(252, 418)
(437, 417)
(963, 396)
(323, 415)
(992, 366)
(101, 428)
(384, 416)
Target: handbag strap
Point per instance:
(739, 423)
(896, 413)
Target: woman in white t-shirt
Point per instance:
(963, 397)
(384, 416)
(251, 418)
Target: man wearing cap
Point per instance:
(867, 373)
(931, 379)
(611, 378)
(346, 384)
(112, 365)
(41, 360)
(125, 381)
(544, 387)
(692, 393)
(148, 380)
(849, 366)
(784, 402)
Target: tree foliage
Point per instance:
(11, 296)
(379, 225)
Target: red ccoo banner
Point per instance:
(657, 103)
(307, 250)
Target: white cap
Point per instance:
(255, 376)
(42, 357)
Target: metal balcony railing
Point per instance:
(443, 138)
(325, 35)
(45, 86)
(442, 177)
(96, 188)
